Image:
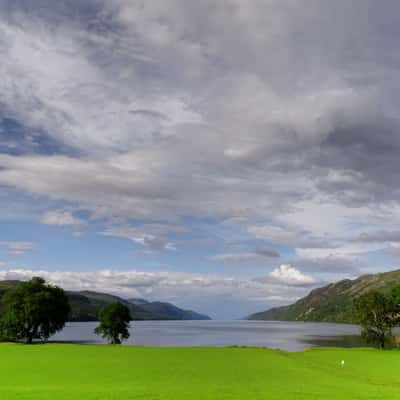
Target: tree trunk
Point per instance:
(115, 340)
(382, 341)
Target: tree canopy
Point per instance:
(33, 310)
(114, 323)
(377, 315)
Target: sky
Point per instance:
(227, 156)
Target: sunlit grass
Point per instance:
(56, 371)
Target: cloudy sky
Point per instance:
(226, 156)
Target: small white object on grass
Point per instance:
(342, 363)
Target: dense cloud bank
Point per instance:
(276, 120)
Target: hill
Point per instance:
(85, 306)
(171, 311)
(138, 302)
(331, 303)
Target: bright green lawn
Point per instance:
(58, 372)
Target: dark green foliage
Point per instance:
(394, 296)
(33, 310)
(377, 314)
(114, 323)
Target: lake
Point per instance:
(291, 336)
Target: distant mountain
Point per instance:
(85, 306)
(138, 302)
(331, 303)
(169, 311)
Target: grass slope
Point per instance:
(63, 372)
(331, 303)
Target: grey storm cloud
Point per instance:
(266, 252)
(380, 236)
(331, 265)
(256, 256)
(272, 112)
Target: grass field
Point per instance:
(55, 371)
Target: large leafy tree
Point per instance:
(114, 322)
(377, 314)
(34, 310)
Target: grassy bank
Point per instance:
(55, 371)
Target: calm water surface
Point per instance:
(291, 336)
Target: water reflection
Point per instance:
(291, 336)
(336, 341)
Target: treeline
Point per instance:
(35, 310)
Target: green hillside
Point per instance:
(172, 311)
(331, 303)
(85, 306)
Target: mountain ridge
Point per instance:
(86, 304)
(333, 302)
(164, 308)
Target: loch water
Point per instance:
(290, 336)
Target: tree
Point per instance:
(394, 296)
(33, 310)
(114, 323)
(377, 314)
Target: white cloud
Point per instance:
(148, 236)
(291, 276)
(18, 245)
(292, 236)
(61, 218)
(17, 249)
(346, 250)
(153, 243)
(273, 233)
(54, 65)
(234, 257)
(393, 249)
(336, 267)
